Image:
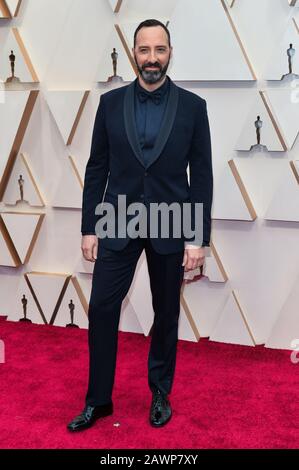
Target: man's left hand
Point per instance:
(194, 257)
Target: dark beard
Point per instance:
(152, 76)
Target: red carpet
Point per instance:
(224, 396)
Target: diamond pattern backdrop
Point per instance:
(233, 53)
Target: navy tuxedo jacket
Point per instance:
(116, 162)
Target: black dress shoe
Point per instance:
(160, 412)
(89, 415)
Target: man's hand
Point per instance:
(193, 257)
(89, 247)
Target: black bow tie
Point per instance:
(153, 95)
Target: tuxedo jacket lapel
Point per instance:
(165, 129)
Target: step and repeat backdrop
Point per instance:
(242, 56)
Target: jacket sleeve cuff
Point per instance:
(88, 233)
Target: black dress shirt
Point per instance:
(149, 111)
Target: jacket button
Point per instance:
(145, 174)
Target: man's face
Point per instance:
(152, 53)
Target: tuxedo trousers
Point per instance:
(112, 277)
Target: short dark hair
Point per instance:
(147, 24)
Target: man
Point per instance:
(145, 135)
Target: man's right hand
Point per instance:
(89, 247)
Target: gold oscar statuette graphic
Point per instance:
(13, 78)
(258, 127)
(21, 183)
(21, 187)
(24, 303)
(72, 308)
(291, 51)
(114, 77)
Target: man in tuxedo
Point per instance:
(145, 136)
